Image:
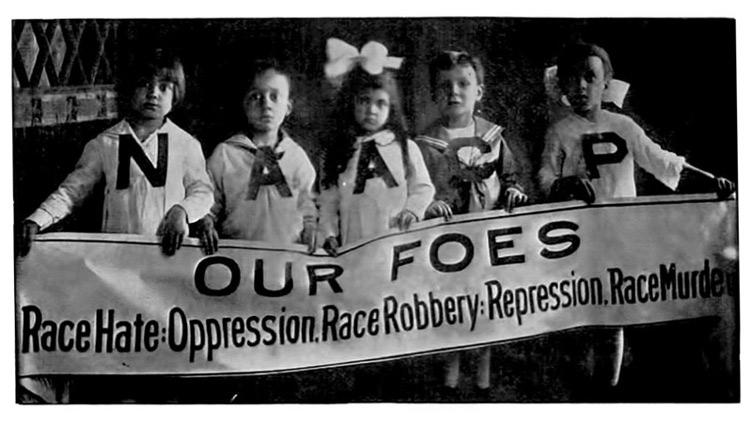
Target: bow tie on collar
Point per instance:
(342, 57)
(267, 172)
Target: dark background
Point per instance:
(682, 74)
(683, 92)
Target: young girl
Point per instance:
(470, 164)
(263, 179)
(374, 178)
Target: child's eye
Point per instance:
(254, 97)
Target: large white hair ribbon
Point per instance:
(342, 57)
(616, 91)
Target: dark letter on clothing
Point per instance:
(129, 148)
(372, 165)
(593, 160)
(266, 171)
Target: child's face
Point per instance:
(372, 110)
(267, 103)
(152, 99)
(457, 91)
(584, 90)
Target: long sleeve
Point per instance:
(329, 212)
(215, 167)
(74, 189)
(306, 177)
(664, 165)
(507, 169)
(551, 162)
(438, 169)
(199, 192)
(420, 190)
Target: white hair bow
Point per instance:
(342, 57)
(616, 91)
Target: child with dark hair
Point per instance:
(154, 172)
(374, 177)
(591, 152)
(470, 165)
(263, 179)
(154, 175)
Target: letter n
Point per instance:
(129, 149)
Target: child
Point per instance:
(468, 159)
(469, 162)
(154, 172)
(573, 163)
(590, 154)
(374, 178)
(263, 180)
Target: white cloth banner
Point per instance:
(113, 304)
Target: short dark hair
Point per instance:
(573, 56)
(259, 66)
(448, 59)
(156, 63)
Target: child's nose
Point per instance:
(152, 90)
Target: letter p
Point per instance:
(601, 141)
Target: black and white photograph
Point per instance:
(430, 209)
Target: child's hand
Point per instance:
(405, 218)
(572, 187)
(308, 235)
(208, 234)
(331, 245)
(173, 228)
(724, 187)
(439, 208)
(29, 230)
(513, 197)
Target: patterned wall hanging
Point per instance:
(63, 71)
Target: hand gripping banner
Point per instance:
(113, 304)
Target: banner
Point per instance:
(113, 304)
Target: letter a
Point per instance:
(265, 172)
(372, 165)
